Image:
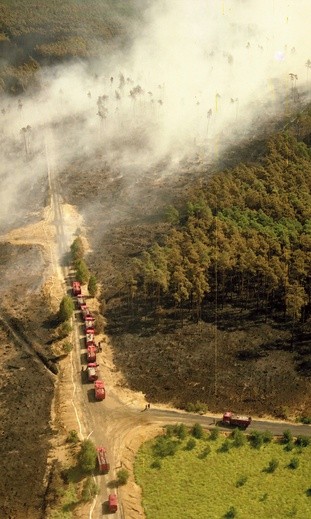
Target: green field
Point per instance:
(194, 484)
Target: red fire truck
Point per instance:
(103, 464)
(99, 387)
(236, 420)
(112, 503)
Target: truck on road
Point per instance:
(236, 420)
(99, 388)
(76, 288)
(92, 374)
(103, 463)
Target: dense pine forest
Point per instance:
(244, 238)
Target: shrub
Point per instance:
(197, 407)
(165, 446)
(238, 438)
(89, 491)
(267, 437)
(99, 323)
(294, 463)
(287, 436)
(191, 443)
(308, 492)
(225, 447)
(87, 456)
(214, 434)
(197, 431)
(273, 465)
(122, 476)
(66, 309)
(241, 481)
(64, 330)
(72, 437)
(92, 286)
(205, 452)
(256, 439)
(231, 513)
(305, 419)
(82, 271)
(67, 347)
(169, 430)
(302, 441)
(181, 431)
(156, 464)
(77, 249)
(289, 446)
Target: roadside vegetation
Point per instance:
(73, 485)
(220, 476)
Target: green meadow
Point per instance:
(202, 478)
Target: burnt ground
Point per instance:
(233, 358)
(26, 385)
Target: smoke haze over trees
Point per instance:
(197, 77)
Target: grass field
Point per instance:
(197, 484)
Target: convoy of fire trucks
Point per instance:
(228, 419)
(94, 376)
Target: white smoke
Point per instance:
(199, 74)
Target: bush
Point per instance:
(267, 437)
(77, 249)
(225, 446)
(92, 286)
(82, 271)
(305, 419)
(273, 465)
(294, 463)
(66, 309)
(165, 446)
(241, 481)
(181, 431)
(169, 430)
(238, 438)
(90, 490)
(205, 452)
(64, 330)
(256, 439)
(191, 443)
(156, 464)
(67, 347)
(99, 323)
(87, 456)
(287, 436)
(72, 437)
(122, 476)
(214, 434)
(231, 513)
(308, 492)
(302, 441)
(289, 446)
(197, 431)
(198, 407)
